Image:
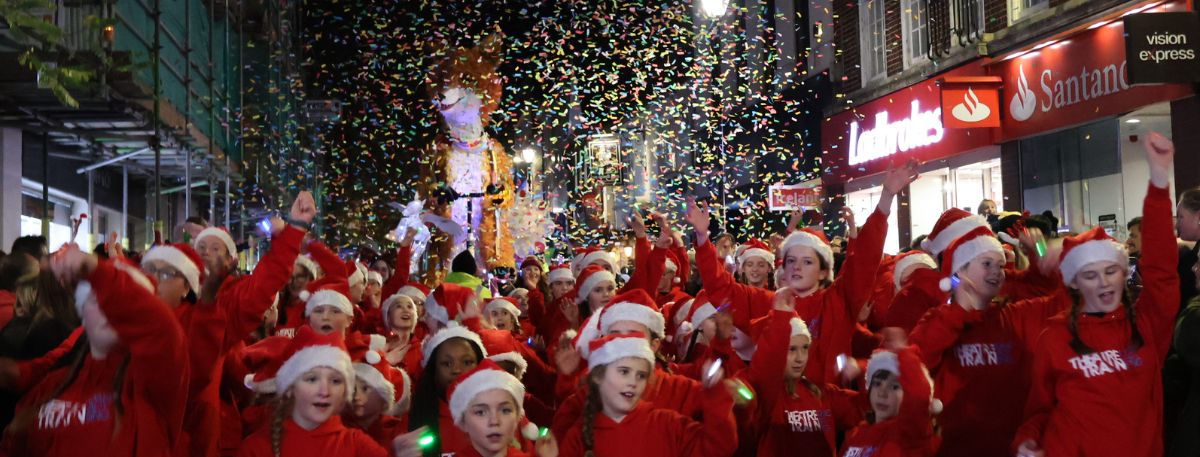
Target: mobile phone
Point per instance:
(841, 362)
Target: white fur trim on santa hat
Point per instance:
(375, 276)
(908, 261)
(435, 310)
(308, 264)
(375, 380)
(83, 294)
(405, 402)
(669, 265)
(359, 275)
(413, 293)
(312, 357)
(589, 331)
(882, 360)
(635, 312)
(178, 260)
(750, 253)
(620, 348)
(560, 274)
(221, 235)
(1080, 256)
(705, 311)
(482, 381)
(453, 330)
(802, 238)
(530, 431)
(956, 229)
(598, 256)
(504, 305)
(968, 251)
(593, 280)
(328, 297)
(516, 358)
(799, 328)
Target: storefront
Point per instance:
(960, 167)
(1074, 124)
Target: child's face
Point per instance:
(367, 402)
(491, 420)
(886, 395)
(622, 385)
(455, 357)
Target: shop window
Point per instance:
(1075, 174)
(916, 31)
(1021, 9)
(873, 38)
(966, 22)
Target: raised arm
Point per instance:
(1159, 301)
(746, 303)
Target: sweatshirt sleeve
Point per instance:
(939, 330)
(251, 297)
(916, 426)
(746, 303)
(648, 273)
(399, 277)
(329, 262)
(1041, 397)
(158, 355)
(30, 372)
(716, 434)
(862, 264)
(685, 270)
(1159, 302)
(767, 365)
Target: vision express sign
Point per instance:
(1163, 47)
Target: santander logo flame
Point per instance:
(971, 110)
(1024, 102)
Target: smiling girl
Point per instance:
(487, 404)
(449, 353)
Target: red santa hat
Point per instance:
(531, 261)
(84, 292)
(909, 259)
(447, 301)
(391, 383)
(886, 360)
(505, 303)
(1089, 247)
(671, 263)
(590, 330)
(966, 248)
(452, 330)
(681, 313)
(636, 306)
(309, 350)
(592, 255)
(484, 377)
(590, 278)
(182, 258)
(502, 347)
(755, 248)
(560, 272)
(221, 234)
(375, 277)
(415, 290)
(812, 239)
(799, 328)
(307, 263)
(336, 294)
(952, 224)
(395, 300)
(609, 349)
(358, 272)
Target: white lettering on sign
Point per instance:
(920, 129)
(1086, 85)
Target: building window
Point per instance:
(916, 31)
(1024, 8)
(873, 32)
(966, 22)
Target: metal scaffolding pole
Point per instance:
(46, 215)
(124, 202)
(91, 209)
(156, 60)
(187, 182)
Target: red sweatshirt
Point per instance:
(82, 420)
(331, 439)
(798, 423)
(917, 295)
(647, 431)
(400, 277)
(830, 313)
(910, 433)
(663, 390)
(1110, 400)
(385, 429)
(213, 330)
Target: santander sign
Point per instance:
(886, 137)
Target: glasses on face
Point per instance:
(163, 274)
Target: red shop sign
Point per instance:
(1075, 80)
(894, 128)
(971, 102)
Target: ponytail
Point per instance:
(591, 409)
(279, 414)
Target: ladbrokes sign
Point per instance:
(1076, 80)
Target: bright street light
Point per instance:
(714, 8)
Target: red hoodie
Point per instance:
(213, 330)
(830, 313)
(799, 423)
(331, 439)
(1110, 400)
(385, 429)
(663, 390)
(910, 433)
(82, 420)
(650, 432)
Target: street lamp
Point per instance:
(714, 8)
(529, 154)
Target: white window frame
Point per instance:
(913, 24)
(868, 41)
(1018, 10)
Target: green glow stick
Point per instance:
(425, 440)
(1041, 248)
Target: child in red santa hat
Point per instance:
(618, 423)
(795, 414)
(503, 314)
(1097, 369)
(831, 306)
(381, 399)
(899, 423)
(403, 348)
(448, 353)
(316, 381)
(755, 265)
(122, 391)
